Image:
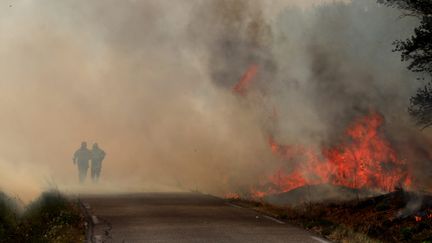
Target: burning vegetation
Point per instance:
(356, 190)
(364, 160)
(358, 151)
(242, 86)
(357, 186)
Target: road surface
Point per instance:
(183, 217)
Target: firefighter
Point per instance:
(97, 155)
(81, 158)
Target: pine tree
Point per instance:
(417, 50)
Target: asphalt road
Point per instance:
(184, 217)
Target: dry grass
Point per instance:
(374, 219)
(51, 218)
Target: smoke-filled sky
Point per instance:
(151, 81)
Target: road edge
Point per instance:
(89, 222)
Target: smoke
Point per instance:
(151, 82)
(347, 70)
(320, 68)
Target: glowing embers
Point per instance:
(364, 160)
(425, 215)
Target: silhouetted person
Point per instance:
(97, 155)
(81, 158)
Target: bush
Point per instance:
(51, 218)
(8, 217)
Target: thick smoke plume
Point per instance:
(152, 82)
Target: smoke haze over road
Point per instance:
(151, 81)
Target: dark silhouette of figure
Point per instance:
(81, 158)
(97, 155)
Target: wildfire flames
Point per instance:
(365, 159)
(242, 86)
(419, 218)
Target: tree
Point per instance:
(418, 51)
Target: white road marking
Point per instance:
(233, 205)
(319, 240)
(273, 219)
(265, 216)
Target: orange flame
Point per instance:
(257, 194)
(232, 195)
(365, 160)
(244, 83)
(418, 218)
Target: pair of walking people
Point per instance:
(82, 157)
